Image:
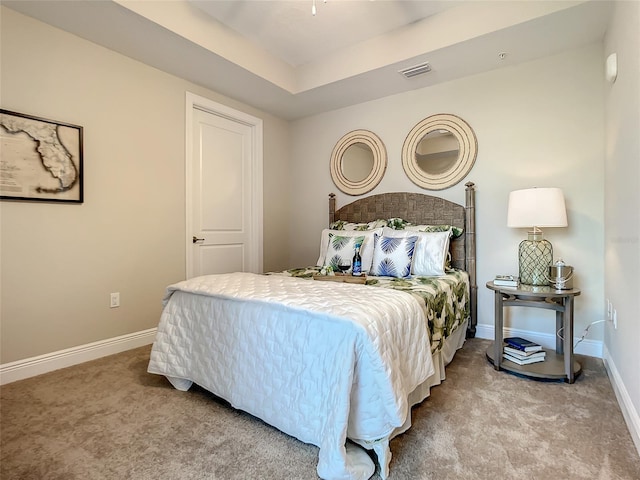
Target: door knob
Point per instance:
(196, 240)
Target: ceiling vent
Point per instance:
(415, 70)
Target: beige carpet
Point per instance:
(109, 419)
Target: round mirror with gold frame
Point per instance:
(358, 162)
(439, 151)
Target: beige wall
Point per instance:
(622, 206)
(539, 123)
(60, 262)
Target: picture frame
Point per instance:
(40, 159)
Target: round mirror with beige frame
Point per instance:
(439, 151)
(358, 162)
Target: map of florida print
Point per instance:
(47, 168)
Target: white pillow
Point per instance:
(392, 256)
(366, 251)
(431, 251)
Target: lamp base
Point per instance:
(535, 255)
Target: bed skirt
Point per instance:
(441, 359)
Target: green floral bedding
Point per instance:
(446, 297)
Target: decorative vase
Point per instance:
(535, 257)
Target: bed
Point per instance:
(335, 364)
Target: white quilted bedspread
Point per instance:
(321, 361)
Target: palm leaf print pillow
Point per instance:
(392, 256)
(341, 249)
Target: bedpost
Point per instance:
(470, 260)
(332, 207)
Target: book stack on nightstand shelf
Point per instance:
(506, 281)
(522, 351)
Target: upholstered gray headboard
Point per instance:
(422, 209)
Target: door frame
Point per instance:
(255, 124)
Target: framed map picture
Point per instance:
(39, 159)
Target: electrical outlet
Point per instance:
(609, 309)
(615, 319)
(115, 300)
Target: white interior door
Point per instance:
(224, 191)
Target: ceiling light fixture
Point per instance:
(415, 70)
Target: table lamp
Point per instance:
(534, 208)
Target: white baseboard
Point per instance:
(590, 348)
(30, 367)
(630, 414)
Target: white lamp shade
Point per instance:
(537, 207)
